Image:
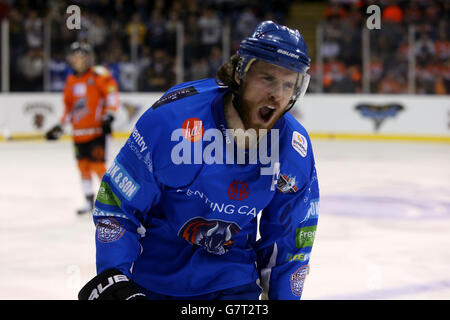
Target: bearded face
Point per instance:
(264, 94)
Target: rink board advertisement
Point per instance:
(31, 115)
(407, 117)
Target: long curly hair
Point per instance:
(226, 72)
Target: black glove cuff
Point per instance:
(54, 133)
(107, 123)
(109, 117)
(111, 284)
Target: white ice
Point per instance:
(383, 233)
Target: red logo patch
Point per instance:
(238, 190)
(193, 129)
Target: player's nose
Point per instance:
(275, 93)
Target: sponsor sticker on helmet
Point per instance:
(287, 53)
(299, 143)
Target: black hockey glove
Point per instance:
(111, 284)
(54, 133)
(107, 123)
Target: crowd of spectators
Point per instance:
(112, 27)
(389, 46)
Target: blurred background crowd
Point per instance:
(108, 26)
(389, 46)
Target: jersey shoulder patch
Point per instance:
(299, 143)
(299, 139)
(187, 89)
(101, 71)
(175, 95)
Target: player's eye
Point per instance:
(268, 78)
(288, 85)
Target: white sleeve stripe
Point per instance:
(101, 213)
(266, 272)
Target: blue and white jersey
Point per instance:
(177, 211)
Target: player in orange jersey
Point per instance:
(91, 99)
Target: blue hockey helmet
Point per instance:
(278, 45)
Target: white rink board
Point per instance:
(383, 229)
(421, 115)
(19, 112)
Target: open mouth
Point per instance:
(266, 113)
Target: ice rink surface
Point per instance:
(383, 233)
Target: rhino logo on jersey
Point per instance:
(216, 236)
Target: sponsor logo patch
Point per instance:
(109, 230)
(305, 236)
(298, 280)
(286, 184)
(79, 89)
(227, 208)
(122, 180)
(101, 213)
(139, 139)
(301, 257)
(193, 129)
(148, 161)
(106, 196)
(238, 190)
(299, 143)
(175, 95)
(313, 210)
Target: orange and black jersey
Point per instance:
(87, 98)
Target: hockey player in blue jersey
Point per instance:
(177, 212)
